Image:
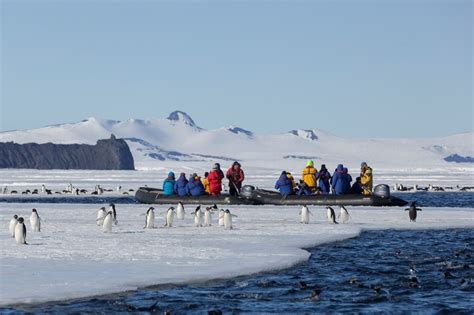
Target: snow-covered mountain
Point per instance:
(155, 141)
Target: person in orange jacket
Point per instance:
(215, 180)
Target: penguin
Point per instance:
(413, 278)
(331, 215)
(35, 221)
(170, 216)
(43, 189)
(221, 217)
(198, 217)
(228, 219)
(305, 215)
(180, 211)
(119, 189)
(12, 225)
(100, 216)
(108, 220)
(150, 219)
(5, 190)
(412, 211)
(208, 216)
(20, 232)
(344, 215)
(114, 212)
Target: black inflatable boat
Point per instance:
(253, 196)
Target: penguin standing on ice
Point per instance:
(331, 215)
(170, 216)
(412, 211)
(208, 216)
(108, 220)
(228, 219)
(114, 212)
(221, 217)
(100, 216)
(180, 211)
(150, 219)
(305, 215)
(35, 221)
(12, 225)
(344, 214)
(198, 217)
(20, 232)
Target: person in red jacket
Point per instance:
(235, 175)
(215, 180)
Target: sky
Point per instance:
(353, 68)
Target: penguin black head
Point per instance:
(151, 208)
(214, 206)
(413, 204)
(180, 203)
(110, 212)
(15, 217)
(227, 211)
(170, 208)
(198, 208)
(112, 205)
(20, 220)
(34, 210)
(102, 208)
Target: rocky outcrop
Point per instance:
(106, 154)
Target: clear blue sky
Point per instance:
(354, 68)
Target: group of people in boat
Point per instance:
(211, 184)
(312, 181)
(322, 182)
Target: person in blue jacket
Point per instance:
(347, 180)
(284, 185)
(323, 178)
(338, 181)
(168, 184)
(180, 185)
(194, 187)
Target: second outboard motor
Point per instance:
(246, 191)
(382, 191)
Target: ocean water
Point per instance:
(370, 273)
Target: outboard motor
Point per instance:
(382, 191)
(246, 191)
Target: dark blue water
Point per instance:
(440, 199)
(369, 273)
(424, 199)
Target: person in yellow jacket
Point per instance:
(290, 177)
(366, 178)
(309, 175)
(205, 183)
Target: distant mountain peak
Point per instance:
(304, 133)
(238, 130)
(181, 116)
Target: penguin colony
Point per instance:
(107, 218)
(70, 189)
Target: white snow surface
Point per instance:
(155, 142)
(72, 258)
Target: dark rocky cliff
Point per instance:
(107, 154)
